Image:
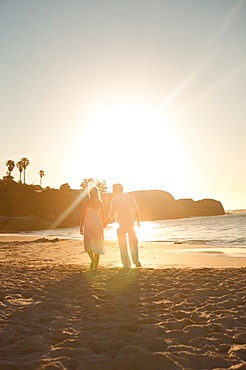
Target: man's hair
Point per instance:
(117, 188)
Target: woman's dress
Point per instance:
(93, 231)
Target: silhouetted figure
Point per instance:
(91, 226)
(125, 211)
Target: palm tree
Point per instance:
(20, 168)
(25, 163)
(41, 174)
(11, 165)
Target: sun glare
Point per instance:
(130, 144)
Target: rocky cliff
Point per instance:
(29, 210)
(159, 205)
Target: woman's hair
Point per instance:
(94, 193)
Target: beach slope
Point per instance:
(179, 311)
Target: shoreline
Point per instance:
(152, 254)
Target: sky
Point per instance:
(150, 94)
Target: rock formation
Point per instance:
(22, 208)
(159, 205)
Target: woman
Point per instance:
(91, 226)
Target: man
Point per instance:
(125, 211)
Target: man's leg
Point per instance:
(133, 242)
(123, 248)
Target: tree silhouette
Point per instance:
(20, 168)
(41, 174)
(11, 165)
(65, 187)
(25, 163)
(103, 187)
(86, 183)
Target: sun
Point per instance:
(131, 144)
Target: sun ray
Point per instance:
(79, 198)
(203, 56)
(181, 86)
(215, 86)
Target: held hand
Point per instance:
(81, 231)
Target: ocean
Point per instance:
(228, 230)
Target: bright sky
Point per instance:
(147, 93)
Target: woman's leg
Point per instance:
(91, 255)
(96, 261)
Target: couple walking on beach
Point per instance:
(125, 211)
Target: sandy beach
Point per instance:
(184, 309)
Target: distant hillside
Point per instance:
(24, 208)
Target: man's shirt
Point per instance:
(123, 207)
